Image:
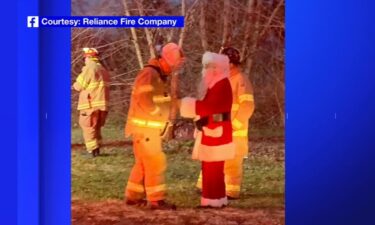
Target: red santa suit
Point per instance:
(211, 112)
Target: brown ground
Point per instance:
(114, 212)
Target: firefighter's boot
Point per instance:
(162, 205)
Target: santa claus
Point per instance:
(211, 113)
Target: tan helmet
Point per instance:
(172, 54)
(90, 52)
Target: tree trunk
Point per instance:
(226, 37)
(270, 19)
(280, 106)
(134, 37)
(248, 18)
(202, 25)
(249, 54)
(175, 75)
(147, 31)
(183, 30)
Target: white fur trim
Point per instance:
(215, 153)
(187, 108)
(217, 59)
(214, 202)
(220, 61)
(217, 132)
(211, 153)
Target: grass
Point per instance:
(110, 133)
(105, 177)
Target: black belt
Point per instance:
(220, 117)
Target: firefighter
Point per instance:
(146, 123)
(242, 110)
(92, 84)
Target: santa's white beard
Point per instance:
(207, 77)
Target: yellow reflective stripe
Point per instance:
(240, 133)
(82, 81)
(235, 107)
(155, 111)
(237, 124)
(98, 103)
(246, 97)
(83, 106)
(135, 187)
(155, 124)
(91, 145)
(139, 122)
(199, 182)
(147, 123)
(161, 99)
(154, 189)
(92, 104)
(94, 85)
(229, 187)
(144, 88)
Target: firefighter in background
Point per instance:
(146, 123)
(92, 83)
(242, 110)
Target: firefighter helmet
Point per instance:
(233, 54)
(90, 52)
(172, 54)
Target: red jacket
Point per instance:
(214, 143)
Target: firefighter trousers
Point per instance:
(91, 123)
(233, 169)
(147, 174)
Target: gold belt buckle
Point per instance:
(217, 117)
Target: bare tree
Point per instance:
(202, 25)
(226, 37)
(175, 75)
(134, 35)
(182, 33)
(248, 21)
(253, 26)
(147, 31)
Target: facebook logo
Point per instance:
(32, 21)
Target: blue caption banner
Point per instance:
(106, 21)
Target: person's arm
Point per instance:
(143, 90)
(83, 79)
(246, 104)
